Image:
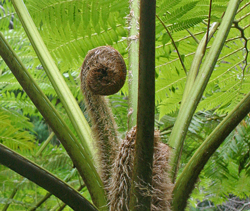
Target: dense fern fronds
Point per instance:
(18, 101)
(230, 80)
(202, 124)
(178, 16)
(71, 28)
(181, 15)
(228, 170)
(232, 75)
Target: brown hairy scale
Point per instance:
(162, 185)
(120, 183)
(103, 72)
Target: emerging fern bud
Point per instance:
(103, 72)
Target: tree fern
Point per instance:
(71, 28)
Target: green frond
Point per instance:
(12, 131)
(201, 126)
(186, 24)
(182, 15)
(119, 105)
(20, 43)
(17, 119)
(164, 5)
(58, 161)
(71, 29)
(173, 16)
(7, 16)
(8, 81)
(172, 101)
(17, 101)
(230, 79)
(227, 171)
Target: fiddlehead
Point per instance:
(103, 72)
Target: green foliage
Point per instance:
(6, 15)
(119, 105)
(227, 172)
(70, 29)
(12, 130)
(230, 80)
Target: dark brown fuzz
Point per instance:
(104, 70)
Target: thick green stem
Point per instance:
(62, 205)
(74, 112)
(142, 172)
(186, 181)
(182, 123)
(133, 62)
(44, 179)
(77, 153)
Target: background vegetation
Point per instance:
(70, 29)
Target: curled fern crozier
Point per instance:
(103, 72)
